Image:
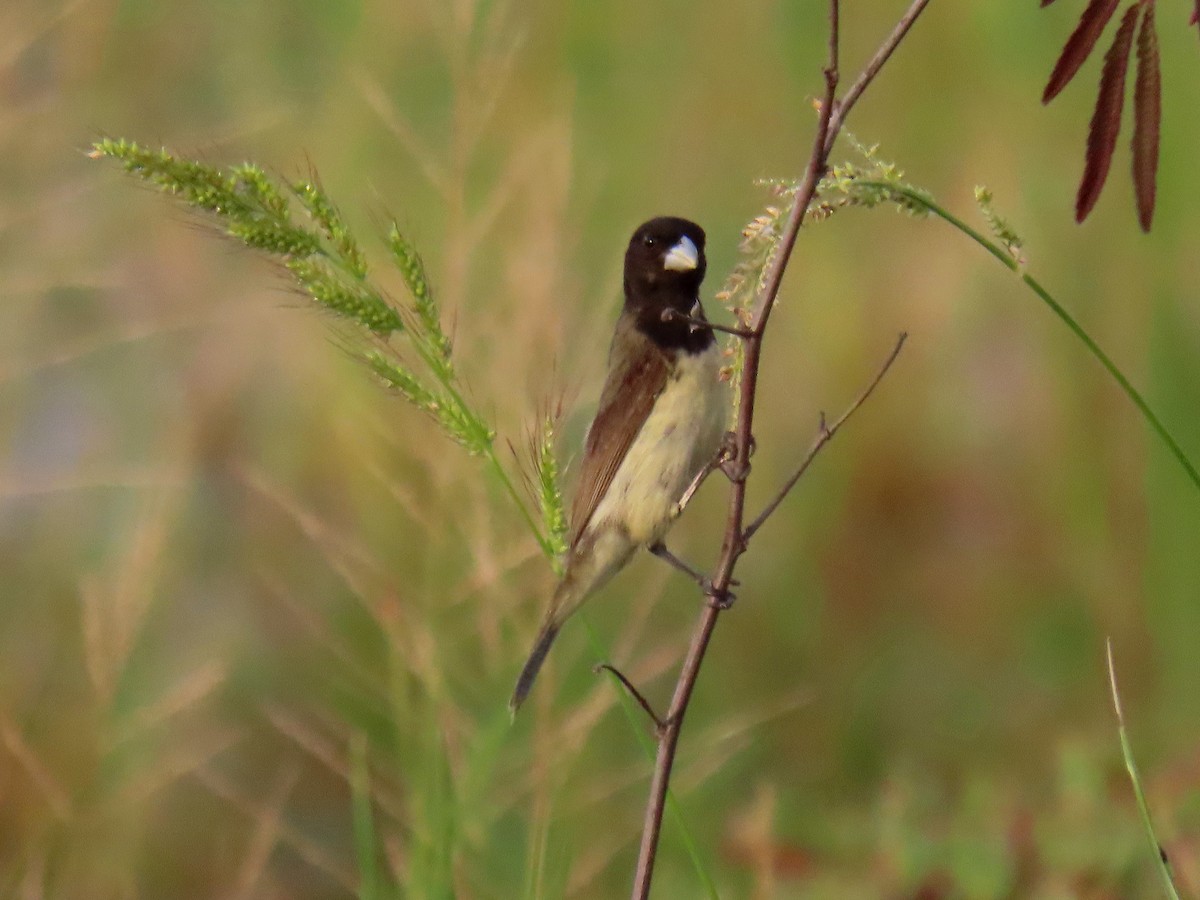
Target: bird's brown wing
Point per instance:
(637, 374)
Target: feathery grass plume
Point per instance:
(428, 320)
(326, 262)
(868, 183)
(403, 381)
(256, 184)
(760, 240)
(549, 489)
(275, 238)
(455, 418)
(328, 265)
(356, 301)
(1000, 227)
(322, 211)
(541, 478)
(759, 243)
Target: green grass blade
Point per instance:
(365, 845)
(1160, 855)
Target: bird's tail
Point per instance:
(593, 561)
(534, 664)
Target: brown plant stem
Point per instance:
(633, 691)
(871, 69)
(832, 116)
(673, 315)
(824, 436)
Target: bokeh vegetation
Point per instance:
(259, 619)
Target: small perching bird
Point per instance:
(660, 421)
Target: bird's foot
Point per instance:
(735, 471)
(721, 600)
(727, 458)
(660, 550)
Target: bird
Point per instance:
(660, 421)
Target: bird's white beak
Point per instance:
(683, 257)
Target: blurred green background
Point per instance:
(226, 556)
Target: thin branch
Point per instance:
(829, 124)
(674, 315)
(805, 192)
(872, 69)
(668, 739)
(659, 724)
(824, 436)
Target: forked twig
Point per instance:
(871, 69)
(824, 436)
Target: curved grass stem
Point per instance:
(1006, 259)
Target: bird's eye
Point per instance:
(649, 241)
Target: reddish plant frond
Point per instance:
(1147, 114)
(1079, 45)
(1106, 120)
(1195, 19)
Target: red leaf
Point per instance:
(1106, 120)
(1147, 114)
(1079, 45)
(1195, 20)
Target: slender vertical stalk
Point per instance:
(832, 116)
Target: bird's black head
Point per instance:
(664, 266)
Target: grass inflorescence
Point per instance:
(866, 182)
(329, 266)
(549, 490)
(1001, 229)
(251, 207)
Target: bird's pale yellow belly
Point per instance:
(679, 436)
